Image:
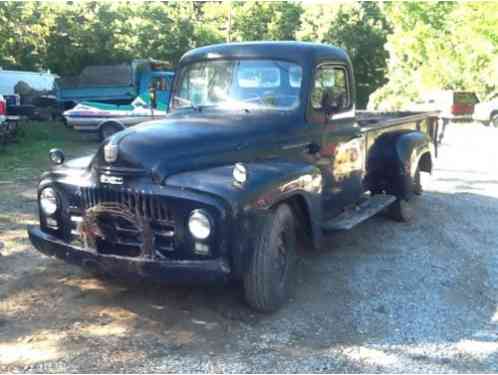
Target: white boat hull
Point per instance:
(84, 118)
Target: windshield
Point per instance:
(246, 84)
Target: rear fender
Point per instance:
(412, 149)
(393, 159)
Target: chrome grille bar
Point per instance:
(142, 203)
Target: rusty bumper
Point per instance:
(169, 271)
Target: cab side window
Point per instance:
(331, 85)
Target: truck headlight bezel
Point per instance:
(239, 174)
(56, 156)
(200, 225)
(49, 202)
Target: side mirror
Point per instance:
(332, 103)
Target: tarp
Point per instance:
(100, 76)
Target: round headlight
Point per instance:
(199, 225)
(56, 156)
(48, 201)
(240, 173)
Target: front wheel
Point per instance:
(268, 281)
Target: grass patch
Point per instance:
(27, 158)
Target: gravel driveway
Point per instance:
(384, 297)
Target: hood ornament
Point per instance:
(110, 153)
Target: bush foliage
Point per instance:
(397, 49)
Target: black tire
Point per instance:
(494, 120)
(66, 124)
(402, 210)
(417, 183)
(268, 281)
(108, 129)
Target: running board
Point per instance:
(348, 219)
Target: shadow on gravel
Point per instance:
(399, 291)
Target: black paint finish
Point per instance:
(319, 163)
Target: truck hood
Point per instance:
(196, 141)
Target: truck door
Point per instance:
(341, 156)
(162, 85)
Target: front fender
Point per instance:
(268, 183)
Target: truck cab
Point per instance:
(262, 148)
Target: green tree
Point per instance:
(24, 28)
(359, 28)
(445, 45)
(90, 33)
(256, 20)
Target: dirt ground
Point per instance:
(384, 297)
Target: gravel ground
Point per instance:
(384, 297)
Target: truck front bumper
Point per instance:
(168, 271)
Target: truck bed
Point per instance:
(374, 124)
(370, 119)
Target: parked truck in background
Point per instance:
(111, 84)
(262, 149)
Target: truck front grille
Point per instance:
(130, 222)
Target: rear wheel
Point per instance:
(268, 281)
(402, 209)
(417, 183)
(108, 129)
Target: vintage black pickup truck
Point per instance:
(262, 148)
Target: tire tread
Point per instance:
(257, 281)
